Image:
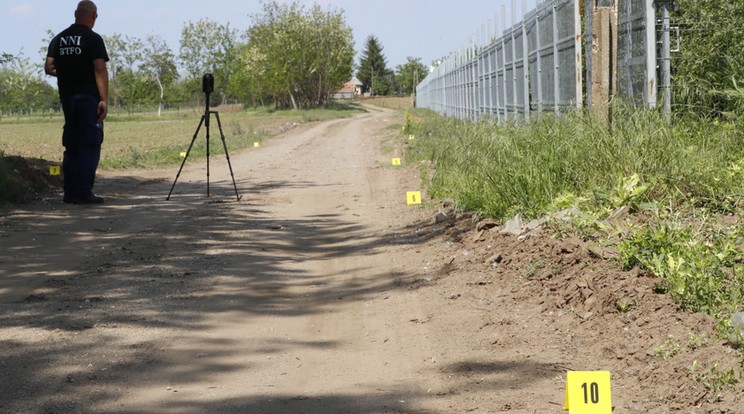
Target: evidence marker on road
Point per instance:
(413, 198)
(256, 144)
(54, 170)
(588, 392)
(396, 161)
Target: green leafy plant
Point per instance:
(628, 191)
(695, 341)
(699, 271)
(667, 349)
(623, 306)
(714, 378)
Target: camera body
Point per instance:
(208, 83)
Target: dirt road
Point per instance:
(319, 292)
(288, 301)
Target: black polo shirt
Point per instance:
(74, 51)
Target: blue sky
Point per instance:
(428, 29)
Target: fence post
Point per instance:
(604, 60)
(651, 77)
(579, 57)
(666, 57)
(503, 56)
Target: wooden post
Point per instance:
(604, 60)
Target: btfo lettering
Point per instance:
(70, 45)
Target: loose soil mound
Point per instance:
(596, 315)
(25, 179)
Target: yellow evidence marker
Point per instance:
(411, 137)
(183, 154)
(588, 392)
(413, 197)
(256, 144)
(396, 161)
(54, 170)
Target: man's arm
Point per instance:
(102, 82)
(49, 67)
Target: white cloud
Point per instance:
(22, 10)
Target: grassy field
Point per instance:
(139, 140)
(145, 140)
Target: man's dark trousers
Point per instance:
(82, 139)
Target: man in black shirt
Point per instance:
(77, 57)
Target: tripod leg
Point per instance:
(207, 115)
(227, 155)
(184, 158)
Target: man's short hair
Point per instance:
(85, 8)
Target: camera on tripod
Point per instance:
(208, 83)
(207, 88)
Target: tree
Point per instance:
(209, 47)
(125, 56)
(409, 75)
(296, 57)
(251, 77)
(131, 54)
(23, 89)
(159, 65)
(373, 71)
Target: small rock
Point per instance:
(495, 259)
(486, 224)
(468, 215)
(441, 217)
(568, 214)
(478, 237)
(513, 226)
(596, 252)
(618, 214)
(534, 224)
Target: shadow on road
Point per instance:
(75, 275)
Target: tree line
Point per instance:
(290, 57)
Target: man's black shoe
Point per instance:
(91, 199)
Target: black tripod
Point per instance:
(207, 87)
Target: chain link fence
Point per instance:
(636, 52)
(534, 65)
(538, 64)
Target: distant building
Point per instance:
(350, 90)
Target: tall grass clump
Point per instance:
(533, 167)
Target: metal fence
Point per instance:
(534, 65)
(636, 52)
(538, 64)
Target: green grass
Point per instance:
(530, 168)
